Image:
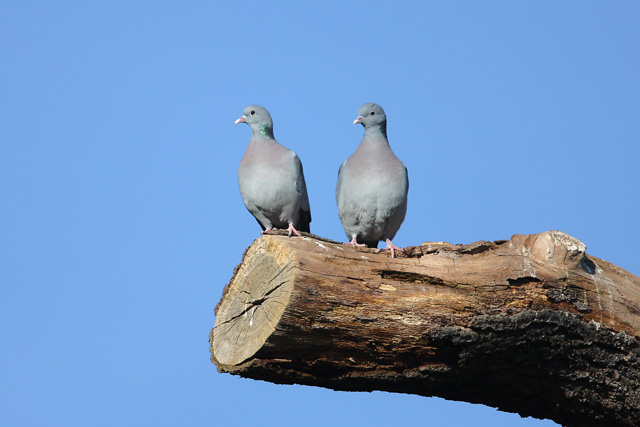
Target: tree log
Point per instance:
(532, 325)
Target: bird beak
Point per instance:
(358, 120)
(240, 120)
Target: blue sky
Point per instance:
(122, 220)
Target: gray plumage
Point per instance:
(372, 184)
(271, 178)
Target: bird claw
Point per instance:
(293, 230)
(393, 248)
(354, 242)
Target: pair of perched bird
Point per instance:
(372, 183)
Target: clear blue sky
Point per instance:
(121, 219)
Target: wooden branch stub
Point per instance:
(531, 325)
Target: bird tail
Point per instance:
(304, 219)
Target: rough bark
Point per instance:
(531, 325)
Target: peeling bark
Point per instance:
(531, 325)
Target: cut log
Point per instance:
(531, 325)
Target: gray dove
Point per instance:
(271, 178)
(372, 185)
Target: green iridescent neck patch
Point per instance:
(266, 131)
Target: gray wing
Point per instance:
(304, 215)
(342, 189)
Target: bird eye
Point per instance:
(373, 113)
(253, 112)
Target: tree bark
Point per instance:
(531, 325)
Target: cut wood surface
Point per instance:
(531, 325)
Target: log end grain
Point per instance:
(253, 302)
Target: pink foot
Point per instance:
(354, 242)
(293, 230)
(266, 229)
(393, 248)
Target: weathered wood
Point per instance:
(531, 325)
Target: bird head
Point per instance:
(371, 114)
(258, 118)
